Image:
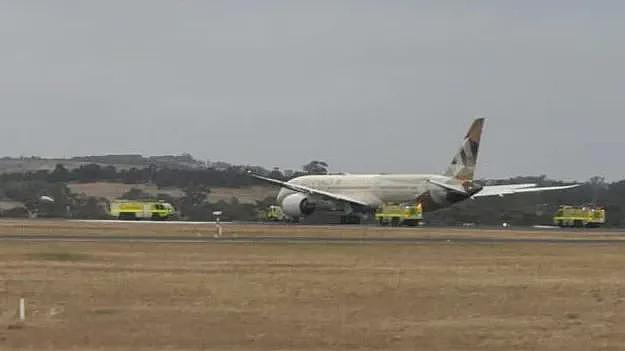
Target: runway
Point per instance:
(119, 221)
(198, 233)
(302, 240)
(535, 228)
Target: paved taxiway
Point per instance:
(536, 228)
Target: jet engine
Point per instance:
(297, 205)
(438, 198)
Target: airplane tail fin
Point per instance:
(462, 166)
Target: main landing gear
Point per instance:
(351, 219)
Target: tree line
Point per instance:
(522, 209)
(163, 177)
(28, 187)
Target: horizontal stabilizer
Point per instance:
(451, 187)
(501, 190)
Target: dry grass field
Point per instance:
(427, 296)
(112, 191)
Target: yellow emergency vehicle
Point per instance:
(579, 216)
(133, 210)
(398, 214)
(274, 214)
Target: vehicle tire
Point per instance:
(126, 216)
(350, 219)
(395, 222)
(411, 222)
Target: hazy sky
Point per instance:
(368, 86)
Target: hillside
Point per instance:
(124, 161)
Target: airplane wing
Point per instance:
(501, 190)
(310, 191)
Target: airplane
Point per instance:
(360, 195)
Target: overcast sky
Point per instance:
(368, 86)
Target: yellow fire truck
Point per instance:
(398, 214)
(274, 214)
(133, 210)
(579, 216)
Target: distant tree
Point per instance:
(193, 203)
(30, 192)
(195, 195)
(87, 173)
(165, 197)
(59, 174)
(316, 167)
(288, 173)
(597, 184)
(136, 194)
(276, 173)
(109, 173)
(135, 176)
(17, 212)
(266, 202)
(234, 201)
(90, 207)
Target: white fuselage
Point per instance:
(379, 189)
